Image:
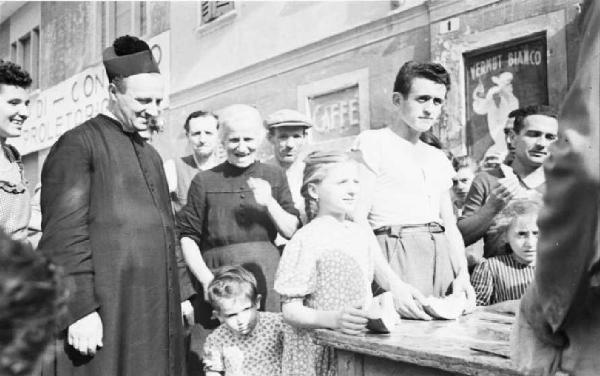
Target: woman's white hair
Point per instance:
(236, 116)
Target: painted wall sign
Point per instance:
(500, 79)
(59, 108)
(336, 114)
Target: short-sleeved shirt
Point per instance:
(256, 354)
(501, 278)
(410, 178)
(221, 209)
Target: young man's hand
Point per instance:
(503, 193)
(409, 302)
(462, 284)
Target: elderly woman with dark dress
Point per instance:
(14, 197)
(235, 210)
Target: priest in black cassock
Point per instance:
(107, 221)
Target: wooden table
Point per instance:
(475, 344)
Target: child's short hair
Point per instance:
(230, 282)
(518, 208)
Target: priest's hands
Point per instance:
(262, 191)
(85, 334)
(409, 302)
(187, 313)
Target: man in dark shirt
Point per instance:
(107, 221)
(535, 128)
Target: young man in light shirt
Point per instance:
(406, 187)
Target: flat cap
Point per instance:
(287, 118)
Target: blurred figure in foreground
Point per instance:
(29, 303)
(559, 322)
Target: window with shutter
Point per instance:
(211, 10)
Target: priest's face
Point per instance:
(138, 104)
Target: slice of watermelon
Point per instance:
(447, 308)
(383, 314)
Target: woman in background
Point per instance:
(14, 197)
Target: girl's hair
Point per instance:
(14, 75)
(517, 208)
(317, 165)
(231, 282)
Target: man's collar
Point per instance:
(535, 179)
(531, 181)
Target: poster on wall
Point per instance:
(498, 80)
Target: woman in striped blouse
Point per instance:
(506, 277)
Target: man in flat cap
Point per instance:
(107, 221)
(288, 133)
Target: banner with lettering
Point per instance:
(500, 79)
(56, 109)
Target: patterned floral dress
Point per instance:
(328, 265)
(256, 354)
(14, 197)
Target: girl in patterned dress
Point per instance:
(325, 273)
(248, 342)
(14, 196)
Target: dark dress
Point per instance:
(223, 218)
(107, 220)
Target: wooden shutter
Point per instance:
(211, 10)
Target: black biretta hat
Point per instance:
(121, 63)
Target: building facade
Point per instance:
(335, 61)
(60, 44)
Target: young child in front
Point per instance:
(248, 342)
(325, 273)
(506, 277)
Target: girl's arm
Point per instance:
(285, 222)
(193, 259)
(349, 320)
